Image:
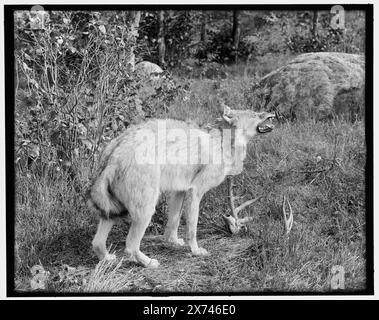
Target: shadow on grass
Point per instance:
(72, 247)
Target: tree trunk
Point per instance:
(161, 39)
(203, 31)
(314, 23)
(236, 33)
(134, 25)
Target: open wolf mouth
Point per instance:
(266, 125)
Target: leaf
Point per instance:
(37, 269)
(87, 143)
(39, 277)
(134, 33)
(82, 130)
(34, 151)
(25, 142)
(35, 83)
(38, 282)
(27, 57)
(76, 152)
(25, 66)
(102, 29)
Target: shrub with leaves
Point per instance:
(76, 87)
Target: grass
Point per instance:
(54, 228)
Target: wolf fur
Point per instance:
(124, 186)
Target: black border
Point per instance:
(270, 309)
(9, 135)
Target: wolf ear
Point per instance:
(228, 117)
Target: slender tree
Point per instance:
(236, 33)
(314, 23)
(161, 39)
(133, 24)
(203, 29)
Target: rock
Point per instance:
(148, 69)
(313, 85)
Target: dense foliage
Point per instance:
(262, 32)
(76, 88)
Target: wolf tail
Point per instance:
(101, 197)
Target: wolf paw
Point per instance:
(200, 252)
(130, 256)
(177, 241)
(109, 256)
(180, 242)
(153, 264)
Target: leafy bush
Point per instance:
(206, 36)
(76, 88)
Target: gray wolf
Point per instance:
(172, 156)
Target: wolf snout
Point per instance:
(267, 125)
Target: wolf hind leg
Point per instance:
(140, 218)
(133, 240)
(203, 182)
(100, 239)
(175, 205)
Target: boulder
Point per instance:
(317, 85)
(148, 69)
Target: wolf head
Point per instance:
(250, 122)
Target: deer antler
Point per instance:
(288, 217)
(233, 223)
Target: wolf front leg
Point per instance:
(192, 217)
(175, 205)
